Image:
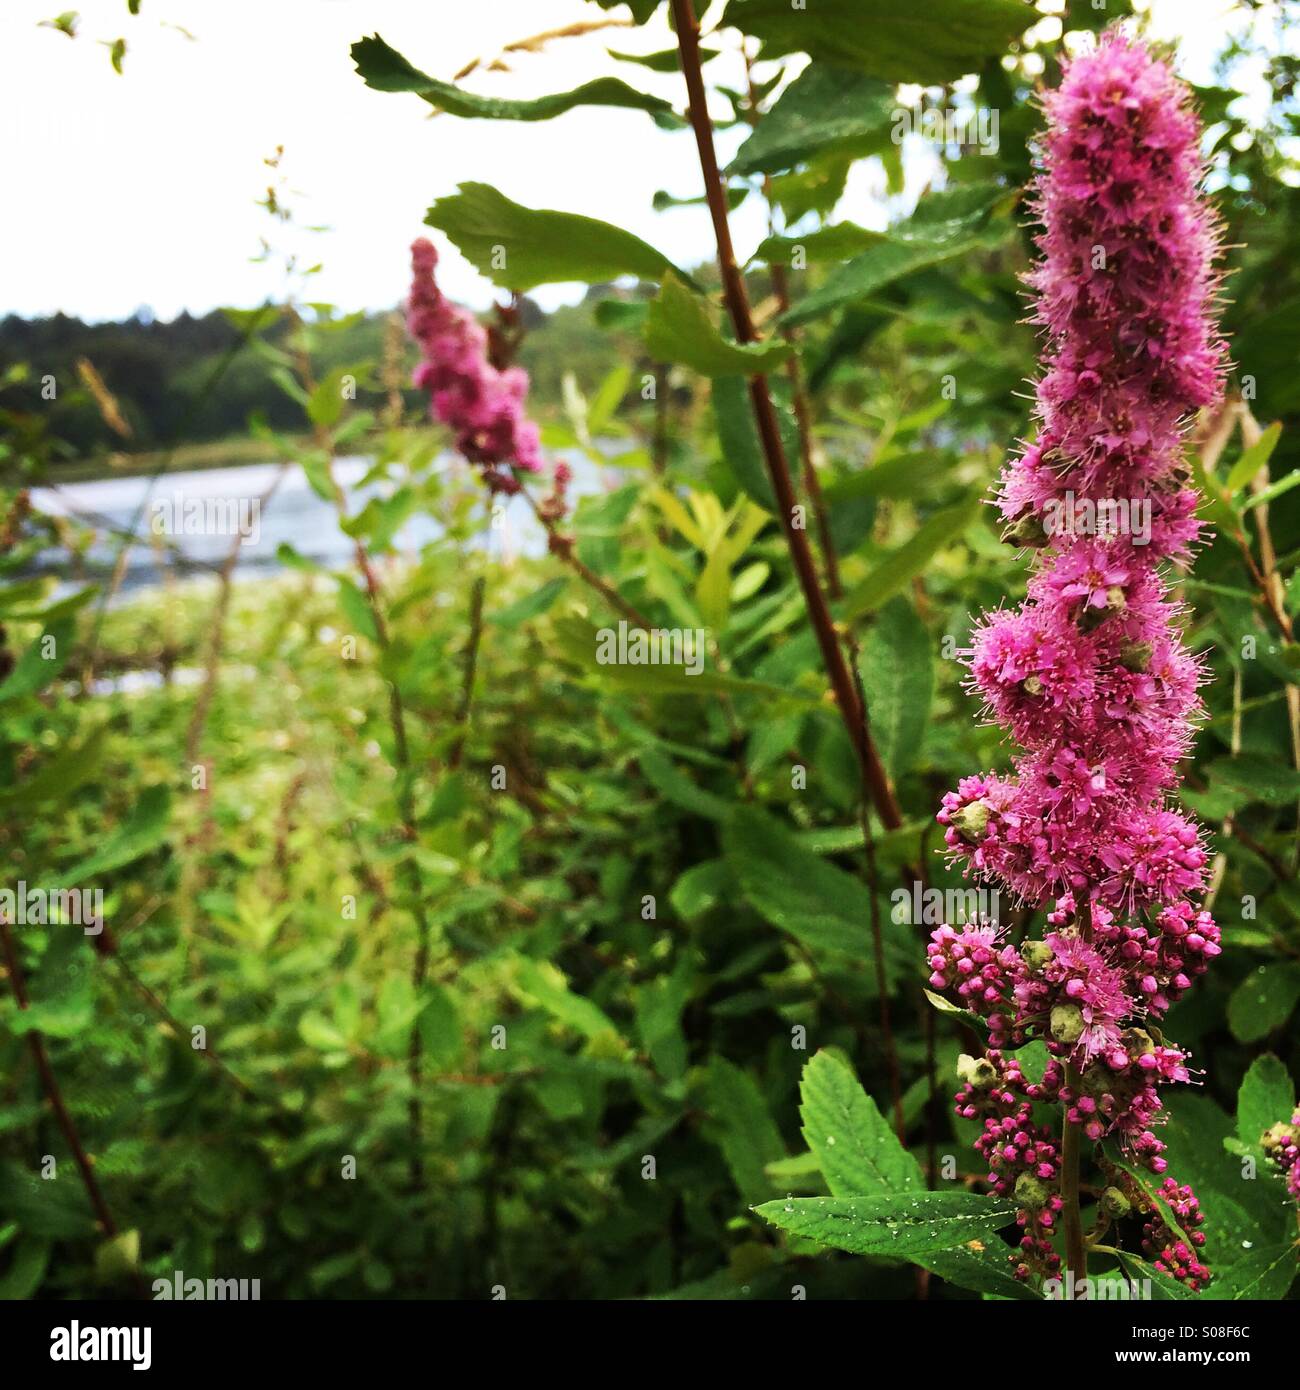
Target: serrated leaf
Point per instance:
(384, 69)
(679, 328)
(746, 1132)
(836, 242)
(546, 985)
(531, 605)
(898, 1226)
(824, 109)
(40, 663)
(901, 566)
(143, 832)
(856, 1149)
(953, 222)
(792, 888)
(679, 789)
(1266, 1097)
(518, 247)
(1263, 1001)
(1264, 1273)
(897, 669)
(930, 43)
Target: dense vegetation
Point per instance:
(442, 958)
(191, 380)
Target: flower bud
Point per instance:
(1067, 1023)
(1031, 1192)
(1115, 1204)
(971, 822)
(1037, 955)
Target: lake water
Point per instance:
(292, 515)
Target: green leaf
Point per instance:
(40, 663)
(1264, 1273)
(118, 1257)
(26, 1270)
(950, 223)
(676, 787)
(659, 1005)
(857, 1151)
(701, 887)
(531, 605)
(666, 60)
(1253, 459)
(1264, 779)
(823, 109)
(144, 831)
(62, 774)
(1264, 1001)
(641, 9)
(836, 242)
(518, 247)
(898, 1226)
(1266, 1098)
(545, 984)
(926, 43)
(1273, 491)
(898, 569)
(897, 668)
(792, 888)
(321, 1032)
(679, 328)
(984, 1269)
(384, 69)
(746, 1132)
(739, 439)
(356, 608)
(397, 1007)
(1164, 1287)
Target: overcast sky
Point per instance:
(140, 189)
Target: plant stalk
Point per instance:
(852, 712)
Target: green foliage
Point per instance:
(520, 247)
(824, 108)
(896, 1226)
(678, 328)
(384, 69)
(932, 43)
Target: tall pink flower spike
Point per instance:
(1090, 674)
(484, 407)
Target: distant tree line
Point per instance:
(165, 377)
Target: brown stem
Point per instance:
(50, 1085)
(844, 681)
(737, 300)
(563, 547)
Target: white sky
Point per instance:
(140, 189)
